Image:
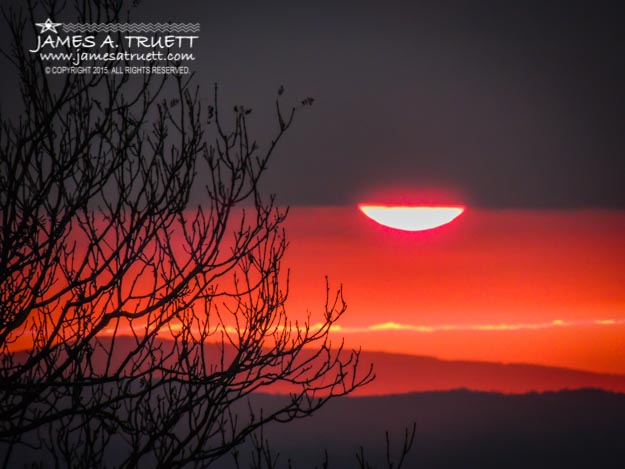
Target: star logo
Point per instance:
(48, 26)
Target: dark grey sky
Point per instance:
(509, 103)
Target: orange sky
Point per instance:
(542, 287)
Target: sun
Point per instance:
(411, 218)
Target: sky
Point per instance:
(532, 286)
(514, 109)
(514, 104)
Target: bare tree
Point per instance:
(390, 460)
(262, 456)
(133, 327)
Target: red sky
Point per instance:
(545, 287)
(538, 287)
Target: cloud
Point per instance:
(391, 326)
(556, 323)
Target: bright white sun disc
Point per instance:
(411, 218)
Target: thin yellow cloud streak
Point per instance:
(418, 328)
(393, 326)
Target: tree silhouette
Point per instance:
(263, 457)
(133, 327)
